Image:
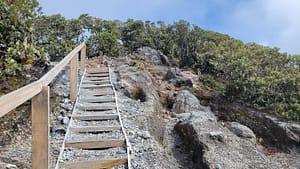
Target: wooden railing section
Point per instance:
(38, 92)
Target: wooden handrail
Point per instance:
(14, 99)
(38, 92)
(48, 78)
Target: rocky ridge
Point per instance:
(166, 124)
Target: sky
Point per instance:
(275, 23)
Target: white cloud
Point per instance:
(288, 14)
(272, 21)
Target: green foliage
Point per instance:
(17, 45)
(258, 76)
(138, 65)
(57, 35)
(105, 39)
(134, 35)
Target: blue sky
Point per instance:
(267, 22)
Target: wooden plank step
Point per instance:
(97, 70)
(97, 100)
(101, 93)
(96, 108)
(96, 117)
(87, 129)
(96, 75)
(95, 144)
(95, 164)
(96, 82)
(95, 86)
(95, 78)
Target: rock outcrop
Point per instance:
(152, 56)
(242, 131)
(186, 102)
(274, 132)
(212, 145)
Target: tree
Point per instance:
(105, 39)
(57, 35)
(17, 45)
(134, 35)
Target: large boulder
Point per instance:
(177, 79)
(273, 131)
(171, 74)
(152, 56)
(186, 102)
(135, 82)
(211, 144)
(292, 130)
(242, 131)
(214, 146)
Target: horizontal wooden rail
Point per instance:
(14, 99)
(48, 78)
(38, 92)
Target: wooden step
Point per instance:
(87, 129)
(97, 75)
(97, 100)
(96, 82)
(95, 78)
(95, 117)
(96, 108)
(97, 70)
(95, 144)
(95, 164)
(101, 93)
(95, 86)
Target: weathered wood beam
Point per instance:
(95, 117)
(40, 129)
(96, 164)
(95, 144)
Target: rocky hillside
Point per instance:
(172, 121)
(165, 117)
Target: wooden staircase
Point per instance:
(95, 137)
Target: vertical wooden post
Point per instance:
(82, 58)
(74, 78)
(40, 129)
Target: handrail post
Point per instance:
(40, 129)
(82, 58)
(74, 78)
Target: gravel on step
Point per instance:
(80, 104)
(73, 136)
(84, 96)
(74, 154)
(81, 112)
(95, 123)
(84, 90)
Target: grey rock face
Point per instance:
(186, 102)
(171, 74)
(152, 56)
(215, 146)
(241, 130)
(211, 144)
(183, 82)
